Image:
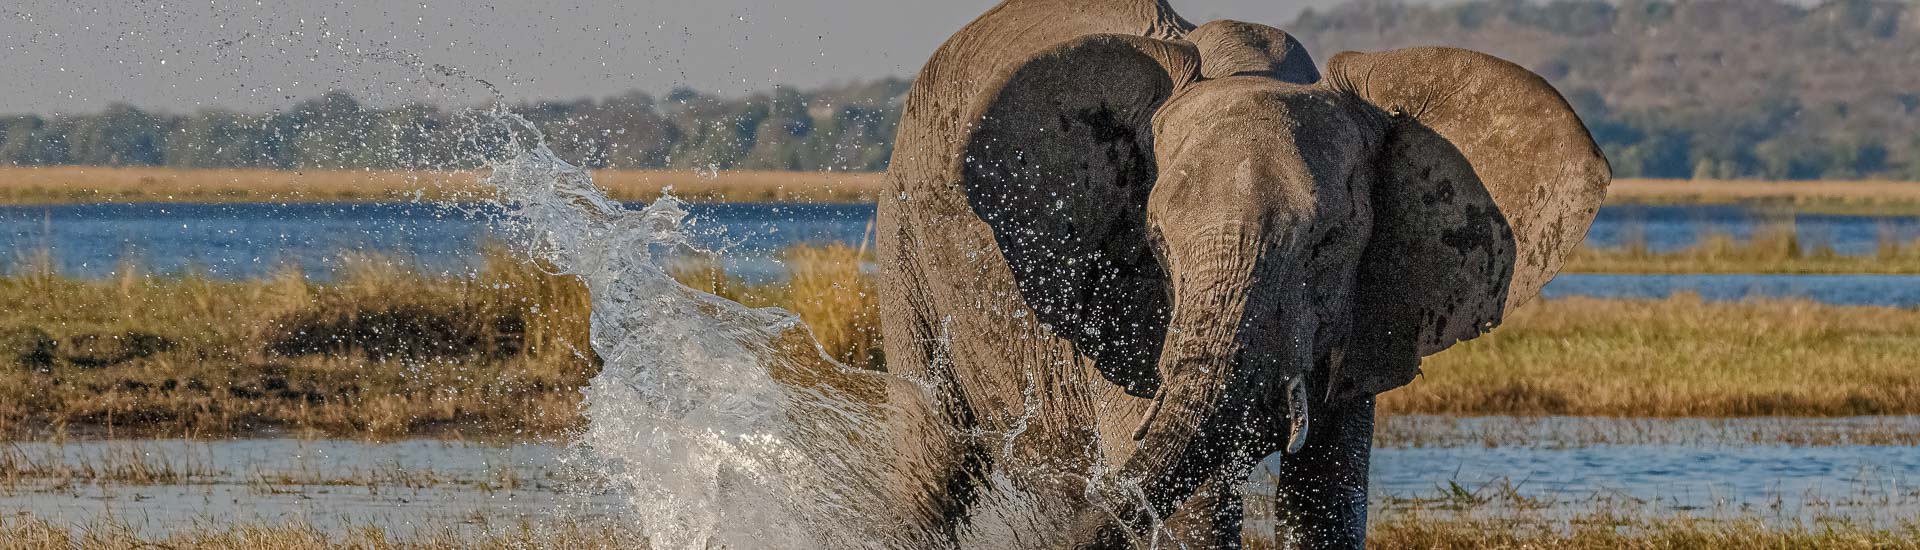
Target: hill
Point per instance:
(1672, 89)
(1700, 88)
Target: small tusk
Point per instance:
(1297, 415)
(1334, 360)
(1159, 397)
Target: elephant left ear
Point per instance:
(1487, 180)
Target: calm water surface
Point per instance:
(253, 240)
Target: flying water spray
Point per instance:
(724, 425)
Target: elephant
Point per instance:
(1126, 259)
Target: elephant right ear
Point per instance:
(1060, 163)
(1487, 180)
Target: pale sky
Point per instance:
(80, 55)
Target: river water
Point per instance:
(253, 240)
(427, 487)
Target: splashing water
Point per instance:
(726, 425)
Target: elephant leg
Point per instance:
(1321, 499)
(932, 472)
(1211, 518)
(1211, 515)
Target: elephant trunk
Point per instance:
(1228, 352)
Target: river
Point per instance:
(238, 241)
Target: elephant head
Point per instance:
(1226, 231)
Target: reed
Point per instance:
(1773, 248)
(48, 468)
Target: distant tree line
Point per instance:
(838, 128)
(1671, 89)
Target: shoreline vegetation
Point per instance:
(21, 185)
(1774, 248)
(384, 351)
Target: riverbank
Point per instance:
(386, 351)
(1869, 197)
(92, 184)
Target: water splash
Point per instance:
(728, 426)
(725, 425)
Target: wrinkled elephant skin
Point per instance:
(1131, 258)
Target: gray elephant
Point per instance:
(1127, 259)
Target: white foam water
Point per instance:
(727, 426)
(723, 425)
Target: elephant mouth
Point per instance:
(1299, 414)
(1299, 418)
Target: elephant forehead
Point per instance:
(1235, 48)
(1259, 118)
(1258, 154)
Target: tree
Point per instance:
(122, 136)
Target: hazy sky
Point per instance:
(79, 55)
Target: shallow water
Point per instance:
(427, 487)
(412, 487)
(250, 240)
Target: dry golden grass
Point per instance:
(1772, 249)
(825, 287)
(388, 352)
(1837, 196)
(86, 184)
(383, 352)
(1679, 357)
(80, 184)
(744, 185)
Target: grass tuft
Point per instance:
(1775, 248)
